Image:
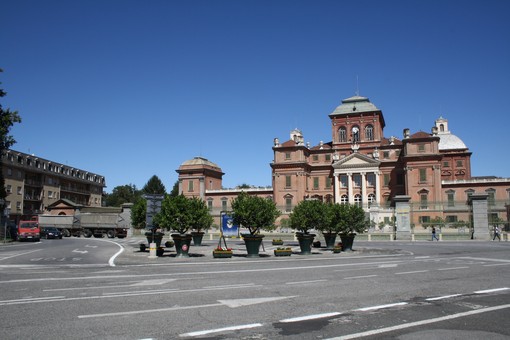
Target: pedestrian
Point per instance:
(434, 234)
(496, 233)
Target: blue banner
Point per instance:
(228, 228)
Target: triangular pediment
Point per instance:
(356, 160)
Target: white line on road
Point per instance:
(358, 277)
(418, 323)
(442, 297)
(491, 290)
(304, 282)
(366, 309)
(224, 329)
(413, 272)
(452, 268)
(310, 317)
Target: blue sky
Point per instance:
(130, 89)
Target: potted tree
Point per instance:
(254, 213)
(201, 219)
(336, 213)
(307, 215)
(177, 214)
(354, 222)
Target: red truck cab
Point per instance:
(29, 230)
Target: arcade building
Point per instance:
(361, 166)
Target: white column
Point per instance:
(377, 188)
(337, 188)
(350, 187)
(364, 196)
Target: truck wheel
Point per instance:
(87, 233)
(66, 232)
(110, 234)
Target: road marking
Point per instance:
(358, 277)
(452, 268)
(80, 251)
(19, 254)
(366, 309)
(234, 303)
(491, 290)
(442, 297)
(413, 272)
(496, 264)
(310, 317)
(419, 323)
(224, 329)
(26, 300)
(304, 282)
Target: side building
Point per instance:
(33, 183)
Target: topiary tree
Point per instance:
(254, 212)
(354, 220)
(309, 214)
(176, 214)
(201, 219)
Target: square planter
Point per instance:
(282, 252)
(222, 254)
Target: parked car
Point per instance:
(50, 232)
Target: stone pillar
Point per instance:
(377, 188)
(479, 208)
(337, 188)
(403, 217)
(350, 186)
(364, 196)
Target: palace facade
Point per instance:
(362, 166)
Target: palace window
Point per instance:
(424, 201)
(342, 134)
(421, 147)
(316, 183)
(288, 181)
(343, 181)
(210, 204)
(371, 179)
(460, 164)
(328, 182)
(190, 186)
(386, 179)
(451, 198)
(357, 200)
(224, 202)
(491, 199)
(423, 175)
(344, 199)
(369, 132)
(288, 204)
(357, 180)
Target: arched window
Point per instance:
(441, 127)
(369, 132)
(344, 199)
(357, 200)
(342, 134)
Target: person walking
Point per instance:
(434, 234)
(496, 233)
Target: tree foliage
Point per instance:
(175, 189)
(138, 213)
(254, 212)
(154, 186)
(180, 214)
(122, 194)
(307, 215)
(356, 221)
(7, 119)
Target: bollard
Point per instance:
(152, 251)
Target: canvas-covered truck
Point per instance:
(64, 223)
(101, 224)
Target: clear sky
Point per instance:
(130, 89)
